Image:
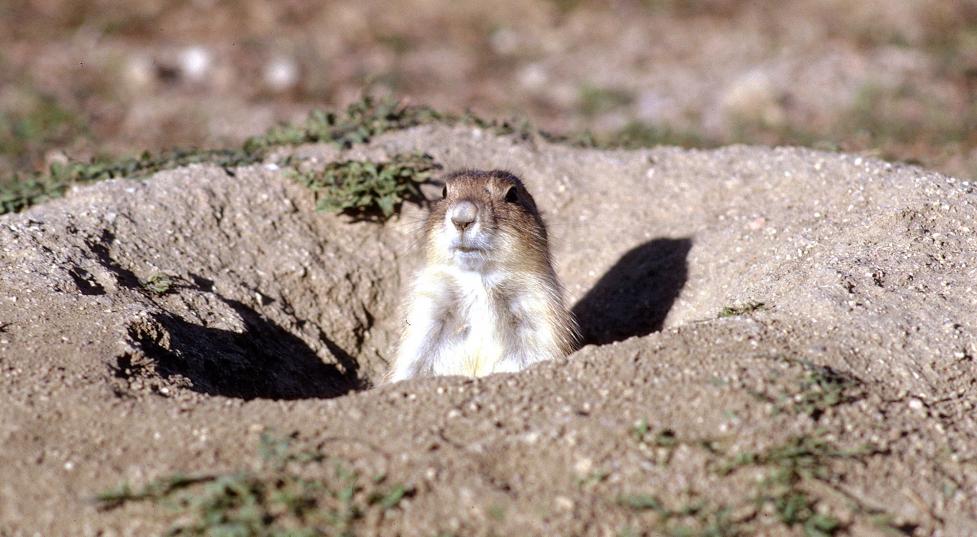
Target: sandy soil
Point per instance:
(279, 318)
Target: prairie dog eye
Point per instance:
(444, 192)
(512, 195)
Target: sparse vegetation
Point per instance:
(692, 519)
(359, 123)
(368, 190)
(362, 120)
(789, 471)
(125, 364)
(905, 123)
(797, 482)
(816, 390)
(20, 193)
(789, 466)
(640, 430)
(292, 492)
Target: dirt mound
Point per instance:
(782, 340)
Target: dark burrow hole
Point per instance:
(264, 361)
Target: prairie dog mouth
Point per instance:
(468, 245)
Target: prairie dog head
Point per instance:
(486, 220)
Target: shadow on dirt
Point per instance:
(265, 361)
(635, 295)
(100, 248)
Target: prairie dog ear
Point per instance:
(511, 194)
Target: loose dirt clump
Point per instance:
(780, 341)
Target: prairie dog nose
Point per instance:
(462, 214)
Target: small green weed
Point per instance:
(368, 190)
(641, 502)
(159, 284)
(736, 311)
(640, 429)
(295, 493)
(593, 478)
(664, 438)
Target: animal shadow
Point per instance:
(635, 295)
(264, 361)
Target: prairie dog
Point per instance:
(486, 299)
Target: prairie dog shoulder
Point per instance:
(486, 298)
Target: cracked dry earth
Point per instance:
(279, 318)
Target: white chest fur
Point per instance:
(462, 322)
(474, 342)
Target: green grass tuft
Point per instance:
(368, 190)
(159, 284)
(359, 123)
(736, 311)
